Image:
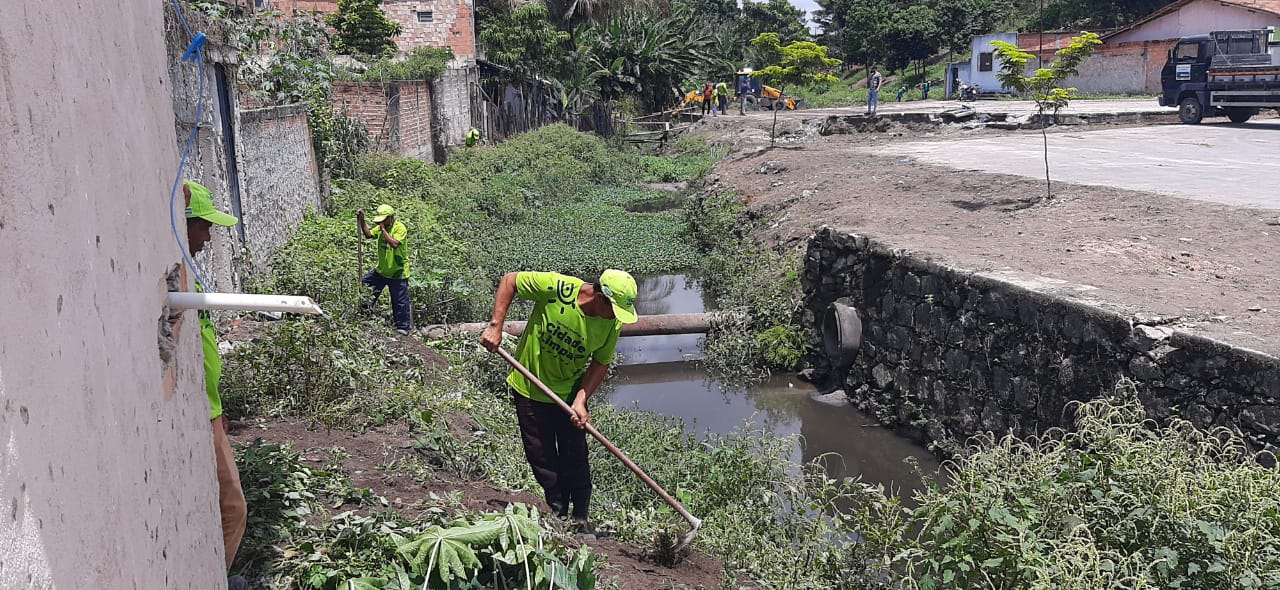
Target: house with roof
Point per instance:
(1131, 57)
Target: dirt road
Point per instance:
(1206, 267)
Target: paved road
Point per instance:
(1012, 107)
(1218, 162)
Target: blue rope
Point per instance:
(194, 52)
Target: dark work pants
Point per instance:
(399, 296)
(706, 105)
(557, 452)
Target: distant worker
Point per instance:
(201, 217)
(707, 94)
(902, 91)
(873, 91)
(473, 137)
(722, 98)
(744, 88)
(392, 270)
(924, 90)
(568, 343)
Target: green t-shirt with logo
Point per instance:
(559, 340)
(393, 263)
(212, 364)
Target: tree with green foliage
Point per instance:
(524, 40)
(910, 35)
(774, 16)
(1091, 14)
(363, 29)
(800, 62)
(958, 21)
(647, 55)
(1045, 85)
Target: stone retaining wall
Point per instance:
(948, 353)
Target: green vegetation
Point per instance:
(424, 63)
(368, 546)
(363, 29)
(1115, 503)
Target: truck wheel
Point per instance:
(1239, 115)
(1189, 111)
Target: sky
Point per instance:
(808, 6)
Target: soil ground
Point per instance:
(369, 460)
(1203, 267)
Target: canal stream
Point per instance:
(658, 375)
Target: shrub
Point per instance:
(1119, 502)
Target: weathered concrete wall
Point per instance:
(222, 261)
(948, 353)
(398, 115)
(278, 176)
(106, 475)
(983, 44)
(452, 25)
(453, 105)
(1198, 18)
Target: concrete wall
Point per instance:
(948, 353)
(1197, 18)
(452, 26)
(106, 474)
(453, 105)
(279, 178)
(222, 263)
(982, 44)
(398, 115)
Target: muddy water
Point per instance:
(657, 376)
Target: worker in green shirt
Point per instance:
(201, 217)
(392, 270)
(567, 344)
(722, 98)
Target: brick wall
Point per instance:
(397, 114)
(1121, 68)
(452, 26)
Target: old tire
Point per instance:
(1239, 115)
(841, 334)
(1190, 111)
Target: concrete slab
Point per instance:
(1216, 162)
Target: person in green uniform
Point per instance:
(473, 137)
(392, 270)
(201, 217)
(567, 344)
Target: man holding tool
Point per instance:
(393, 264)
(567, 344)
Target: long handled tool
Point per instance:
(694, 521)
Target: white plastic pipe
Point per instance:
(243, 302)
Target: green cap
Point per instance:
(620, 288)
(383, 212)
(201, 206)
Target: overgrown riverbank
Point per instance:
(1115, 505)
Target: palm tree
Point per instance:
(568, 14)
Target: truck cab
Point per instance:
(1235, 73)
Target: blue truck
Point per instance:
(1232, 73)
